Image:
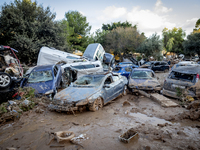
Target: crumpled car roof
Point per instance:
(188, 69)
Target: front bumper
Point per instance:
(61, 108)
(144, 88)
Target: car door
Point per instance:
(118, 85)
(109, 89)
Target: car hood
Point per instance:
(144, 82)
(41, 87)
(75, 94)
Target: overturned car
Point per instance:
(90, 91)
(11, 71)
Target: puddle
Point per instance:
(142, 118)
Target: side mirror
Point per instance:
(106, 86)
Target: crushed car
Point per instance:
(11, 71)
(185, 78)
(184, 63)
(45, 79)
(90, 91)
(160, 66)
(143, 79)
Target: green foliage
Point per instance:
(123, 40)
(78, 29)
(115, 25)
(172, 40)
(192, 44)
(151, 47)
(27, 27)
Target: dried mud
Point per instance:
(157, 127)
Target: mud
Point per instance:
(158, 127)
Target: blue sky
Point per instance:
(150, 15)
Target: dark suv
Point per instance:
(160, 66)
(11, 71)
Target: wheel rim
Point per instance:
(4, 80)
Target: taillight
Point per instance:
(197, 77)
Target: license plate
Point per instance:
(178, 86)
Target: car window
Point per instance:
(182, 76)
(78, 67)
(117, 69)
(40, 76)
(128, 69)
(141, 74)
(115, 78)
(89, 81)
(163, 63)
(108, 80)
(157, 63)
(89, 66)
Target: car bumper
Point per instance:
(174, 94)
(145, 88)
(61, 108)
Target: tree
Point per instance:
(192, 44)
(81, 29)
(197, 27)
(152, 46)
(172, 40)
(27, 27)
(114, 25)
(123, 40)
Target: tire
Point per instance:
(5, 80)
(125, 90)
(96, 105)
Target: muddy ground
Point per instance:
(157, 127)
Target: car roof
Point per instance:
(188, 69)
(187, 62)
(143, 69)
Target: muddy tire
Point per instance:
(96, 105)
(166, 70)
(5, 80)
(125, 90)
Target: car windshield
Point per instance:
(141, 74)
(182, 76)
(88, 81)
(40, 76)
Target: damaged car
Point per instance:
(11, 71)
(185, 79)
(143, 79)
(44, 79)
(90, 91)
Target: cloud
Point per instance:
(159, 8)
(148, 21)
(189, 25)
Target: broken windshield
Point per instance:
(89, 81)
(141, 74)
(182, 76)
(40, 76)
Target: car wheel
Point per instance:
(166, 70)
(125, 90)
(5, 80)
(97, 104)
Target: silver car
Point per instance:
(92, 91)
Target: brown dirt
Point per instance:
(157, 127)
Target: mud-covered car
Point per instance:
(90, 91)
(11, 71)
(185, 78)
(160, 66)
(143, 79)
(45, 79)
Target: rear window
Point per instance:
(183, 76)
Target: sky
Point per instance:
(151, 16)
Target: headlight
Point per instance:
(49, 92)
